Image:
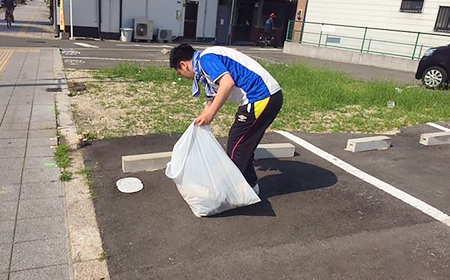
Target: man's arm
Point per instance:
(226, 83)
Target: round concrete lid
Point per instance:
(129, 185)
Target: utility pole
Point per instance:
(71, 19)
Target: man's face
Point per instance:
(186, 70)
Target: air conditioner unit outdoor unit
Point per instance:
(165, 35)
(143, 29)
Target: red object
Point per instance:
(272, 15)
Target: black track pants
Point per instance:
(250, 123)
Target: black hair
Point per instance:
(183, 52)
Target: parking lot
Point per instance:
(315, 221)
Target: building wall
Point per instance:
(383, 14)
(374, 13)
(162, 12)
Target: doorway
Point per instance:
(245, 11)
(190, 20)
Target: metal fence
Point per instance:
(388, 42)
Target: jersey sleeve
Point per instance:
(213, 66)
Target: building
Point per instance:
(104, 18)
(195, 20)
(401, 28)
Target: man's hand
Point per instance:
(204, 119)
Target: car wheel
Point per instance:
(434, 77)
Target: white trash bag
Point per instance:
(206, 177)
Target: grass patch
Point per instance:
(63, 161)
(156, 100)
(87, 174)
(65, 176)
(320, 100)
(103, 256)
(62, 156)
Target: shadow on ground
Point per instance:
(283, 177)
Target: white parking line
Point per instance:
(122, 59)
(414, 202)
(143, 46)
(86, 45)
(438, 127)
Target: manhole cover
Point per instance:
(129, 185)
(53, 90)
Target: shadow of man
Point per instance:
(283, 177)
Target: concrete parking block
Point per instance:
(10, 176)
(40, 228)
(8, 211)
(42, 125)
(275, 150)
(39, 208)
(40, 162)
(37, 175)
(13, 134)
(41, 190)
(9, 192)
(37, 254)
(156, 161)
(13, 143)
(6, 232)
(368, 144)
(42, 133)
(436, 138)
(59, 272)
(5, 256)
(48, 151)
(14, 126)
(11, 163)
(42, 142)
(145, 162)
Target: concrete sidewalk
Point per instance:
(31, 21)
(32, 216)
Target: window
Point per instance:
(411, 6)
(443, 20)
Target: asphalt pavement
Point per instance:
(315, 220)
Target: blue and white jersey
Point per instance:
(252, 82)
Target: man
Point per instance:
(230, 75)
(268, 26)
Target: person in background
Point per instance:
(9, 5)
(268, 26)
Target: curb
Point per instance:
(83, 237)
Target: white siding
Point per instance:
(374, 13)
(85, 13)
(383, 14)
(162, 12)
